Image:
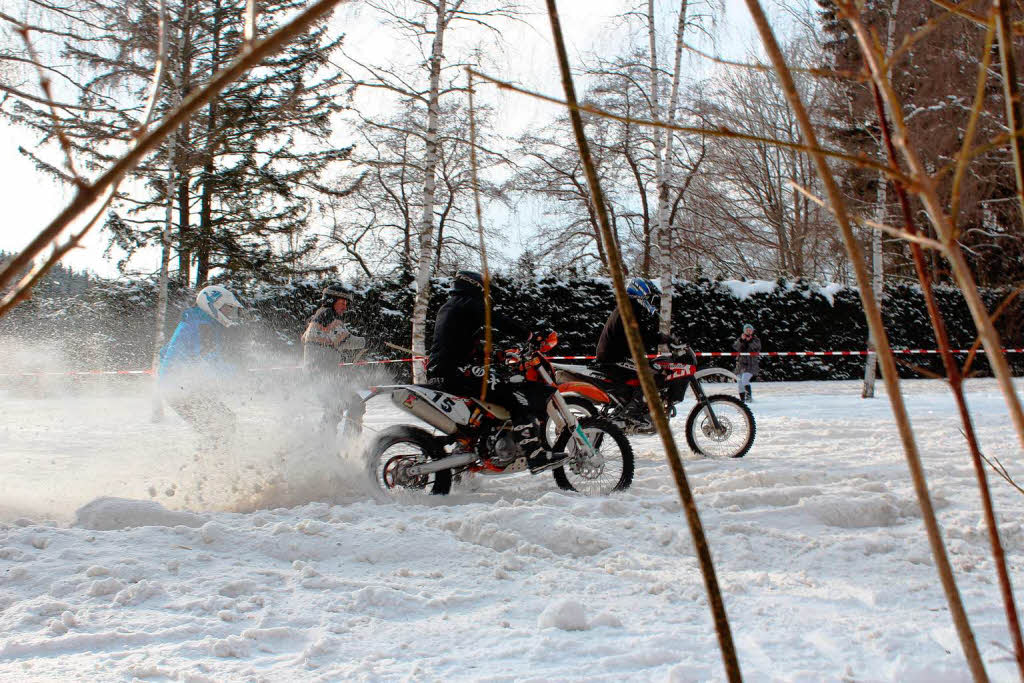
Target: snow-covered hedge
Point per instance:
(110, 324)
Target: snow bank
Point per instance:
(106, 514)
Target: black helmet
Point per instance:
(468, 282)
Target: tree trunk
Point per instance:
(877, 266)
(419, 310)
(205, 246)
(656, 255)
(877, 285)
(665, 263)
(184, 228)
(183, 134)
(165, 261)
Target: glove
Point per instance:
(543, 340)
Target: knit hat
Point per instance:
(338, 291)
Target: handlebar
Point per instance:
(683, 352)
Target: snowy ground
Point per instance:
(816, 536)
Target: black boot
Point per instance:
(520, 441)
(538, 458)
(527, 438)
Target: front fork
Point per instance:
(702, 400)
(558, 410)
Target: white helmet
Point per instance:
(220, 304)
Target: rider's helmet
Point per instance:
(220, 304)
(643, 290)
(468, 282)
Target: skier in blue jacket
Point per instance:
(194, 363)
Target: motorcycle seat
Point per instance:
(583, 371)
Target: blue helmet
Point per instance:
(643, 291)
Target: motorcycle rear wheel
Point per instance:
(737, 433)
(601, 474)
(394, 450)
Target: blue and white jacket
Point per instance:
(196, 347)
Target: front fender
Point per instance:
(707, 372)
(586, 390)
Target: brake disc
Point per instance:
(708, 427)
(396, 473)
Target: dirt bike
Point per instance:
(475, 434)
(717, 426)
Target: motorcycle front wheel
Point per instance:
(600, 463)
(734, 435)
(394, 451)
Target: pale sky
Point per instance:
(30, 200)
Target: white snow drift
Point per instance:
(191, 569)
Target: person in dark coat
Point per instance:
(747, 366)
(326, 343)
(456, 361)
(613, 349)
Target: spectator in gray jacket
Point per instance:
(747, 366)
(326, 343)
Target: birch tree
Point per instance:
(664, 158)
(877, 265)
(425, 25)
(375, 226)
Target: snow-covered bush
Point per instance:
(109, 324)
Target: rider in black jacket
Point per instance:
(457, 358)
(612, 348)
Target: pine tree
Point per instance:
(247, 165)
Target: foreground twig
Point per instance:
(58, 130)
(957, 387)
(860, 161)
(1000, 469)
(924, 186)
(89, 193)
(881, 340)
(636, 348)
(867, 222)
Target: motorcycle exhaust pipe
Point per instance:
(455, 460)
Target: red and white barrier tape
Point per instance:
(702, 354)
(718, 354)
